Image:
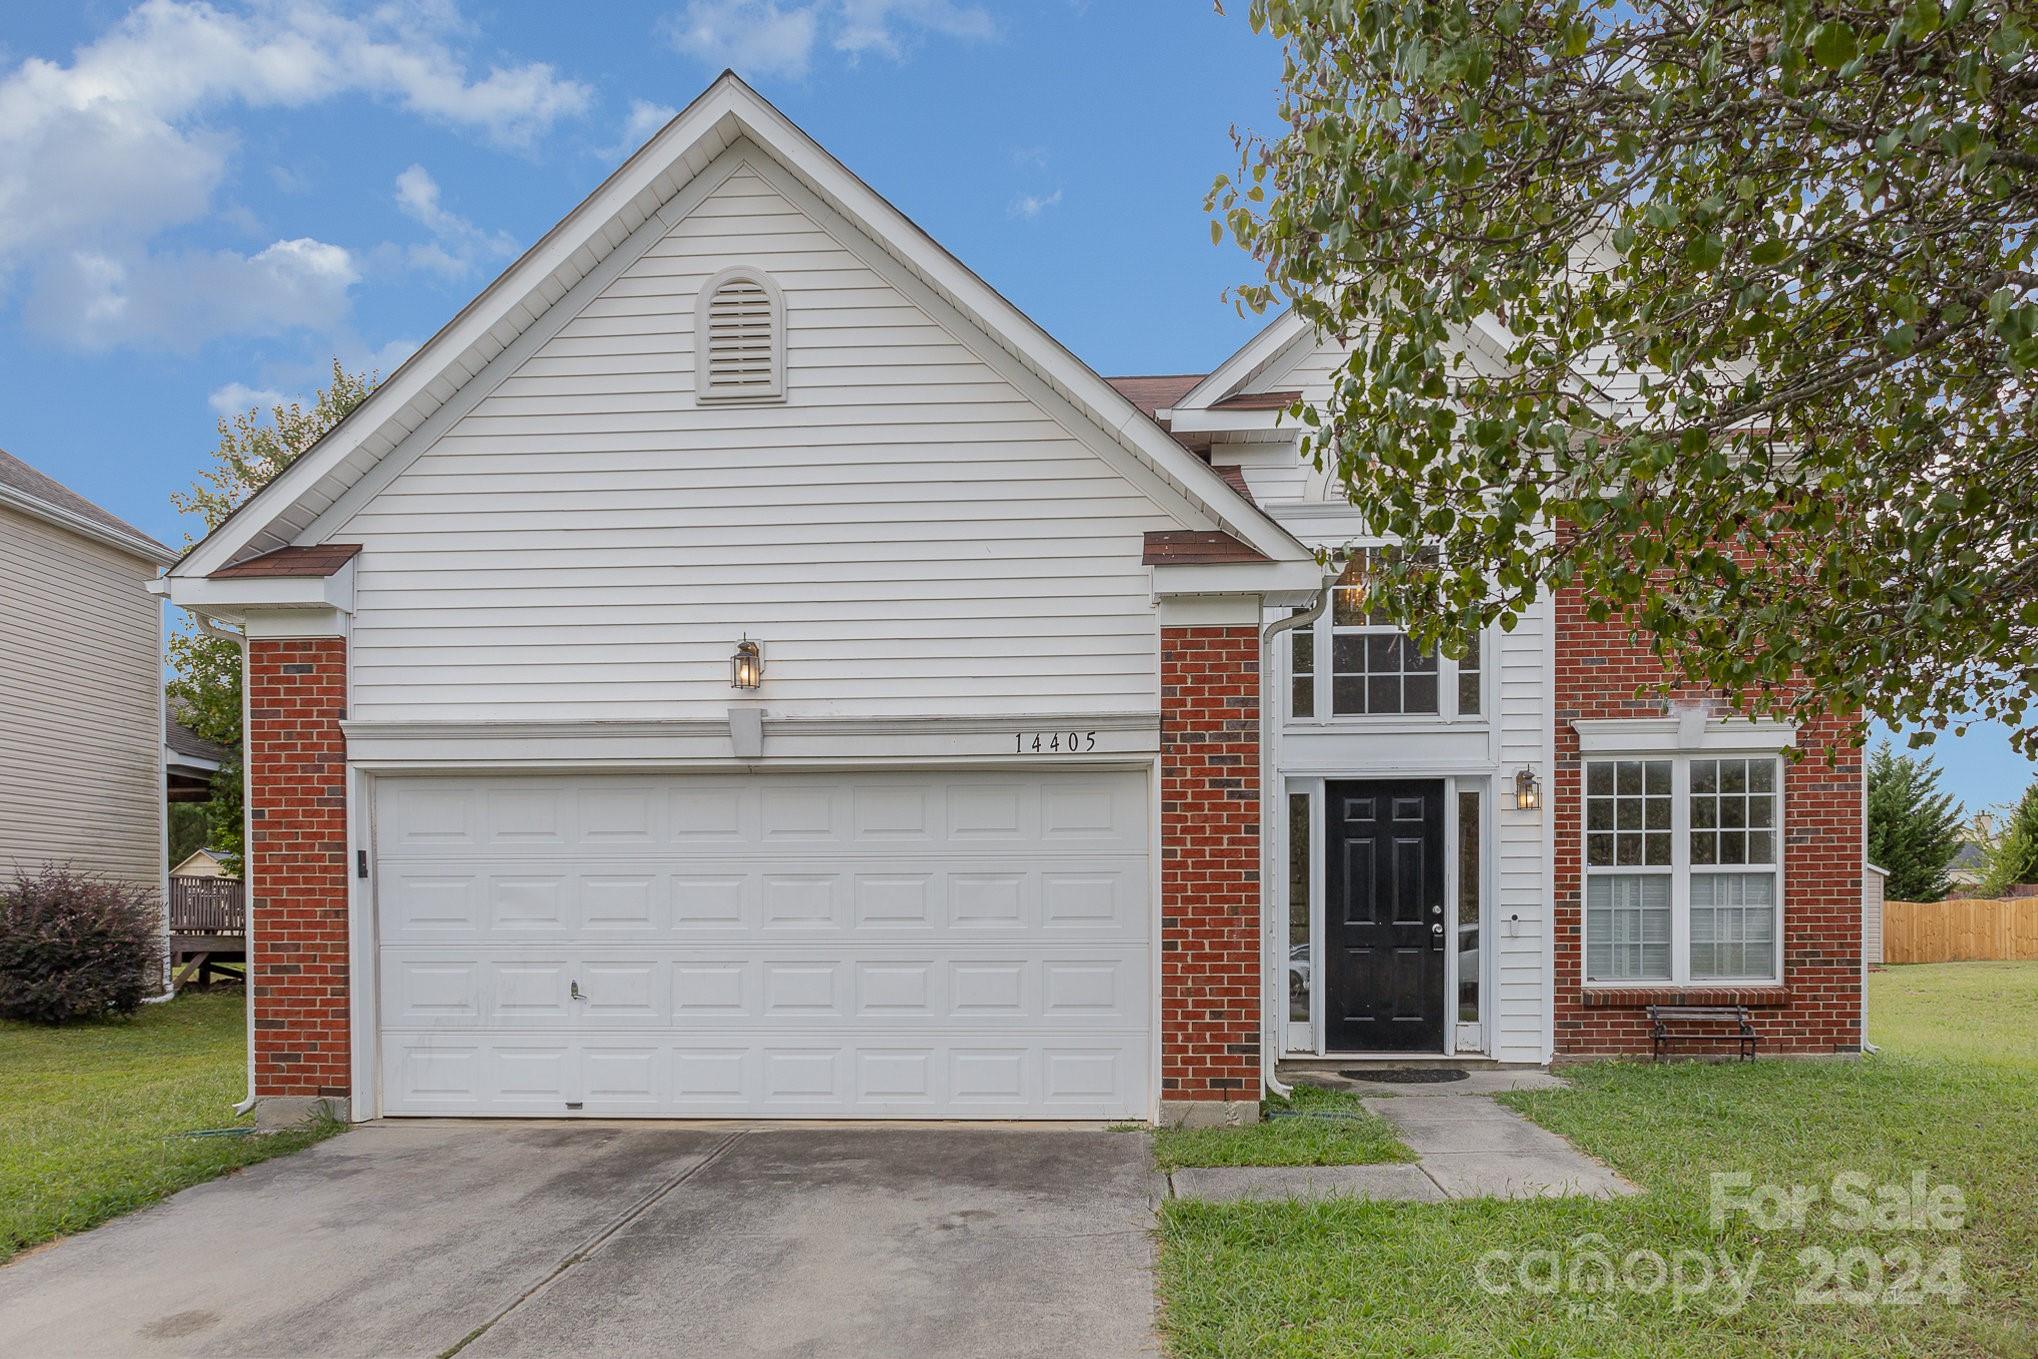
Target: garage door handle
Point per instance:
(576, 992)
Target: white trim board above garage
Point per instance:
(623, 217)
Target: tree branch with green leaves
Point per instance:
(1723, 312)
(206, 688)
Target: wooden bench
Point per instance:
(1707, 1019)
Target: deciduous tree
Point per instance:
(252, 450)
(1737, 294)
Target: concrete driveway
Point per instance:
(503, 1239)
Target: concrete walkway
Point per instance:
(1468, 1146)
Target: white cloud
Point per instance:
(879, 25)
(237, 397)
(767, 38)
(179, 301)
(756, 37)
(1030, 206)
(457, 245)
(644, 119)
(99, 155)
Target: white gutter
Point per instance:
(148, 549)
(211, 629)
(1272, 979)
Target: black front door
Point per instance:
(1384, 916)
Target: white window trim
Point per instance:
(1680, 868)
(1689, 732)
(741, 273)
(1447, 712)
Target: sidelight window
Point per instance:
(1301, 853)
(1470, 834)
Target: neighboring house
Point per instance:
(81, 685)
(1969, 867)
(203, 864)
(189, 761)
(743, 666)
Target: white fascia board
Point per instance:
(234, 597)
(1678, 735)
(1250, 360)
(1100, 402)
(148, 549)
(1227, 422)
(491, 308)
(177, 759)
(729, 110)
(1284, 579)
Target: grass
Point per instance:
(93, 1117)
(1335, 1130)
(1953, 1095)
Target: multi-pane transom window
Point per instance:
(1356, 663)
(1682, 880)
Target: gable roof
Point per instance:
(25, 489)
(322, 559)
(1156, 393)
(574, 260)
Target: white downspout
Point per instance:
(1272, 977)
(211, 629)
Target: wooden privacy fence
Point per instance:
(1964, 931)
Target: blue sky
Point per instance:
(200, 205)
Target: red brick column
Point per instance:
(1210, 872)
(297, 860)
(1817, 1009)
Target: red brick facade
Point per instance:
(1817, 1009)
(1210, 863)
(297, 854)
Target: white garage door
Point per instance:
(923, 945)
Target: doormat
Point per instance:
(1412, 1075)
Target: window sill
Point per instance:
(1754, 995)
(1390, 722)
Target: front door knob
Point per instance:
(1437, 930)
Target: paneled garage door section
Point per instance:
(966, 945)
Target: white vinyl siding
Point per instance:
(906, 534)
(1512, 730)
(81, 742)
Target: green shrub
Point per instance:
(75, 946)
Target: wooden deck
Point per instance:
(208, 930)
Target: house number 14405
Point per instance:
(1053, 742)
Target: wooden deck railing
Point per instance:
(208, 906)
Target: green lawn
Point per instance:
(1953, 1095)
(92, 1117)
(1334, 1130)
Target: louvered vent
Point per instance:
(742, 357)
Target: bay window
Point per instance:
(1682, 869)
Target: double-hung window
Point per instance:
(1683, 868)
(1355, 662)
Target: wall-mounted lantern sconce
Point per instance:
(746, 667)
(1528, 794)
